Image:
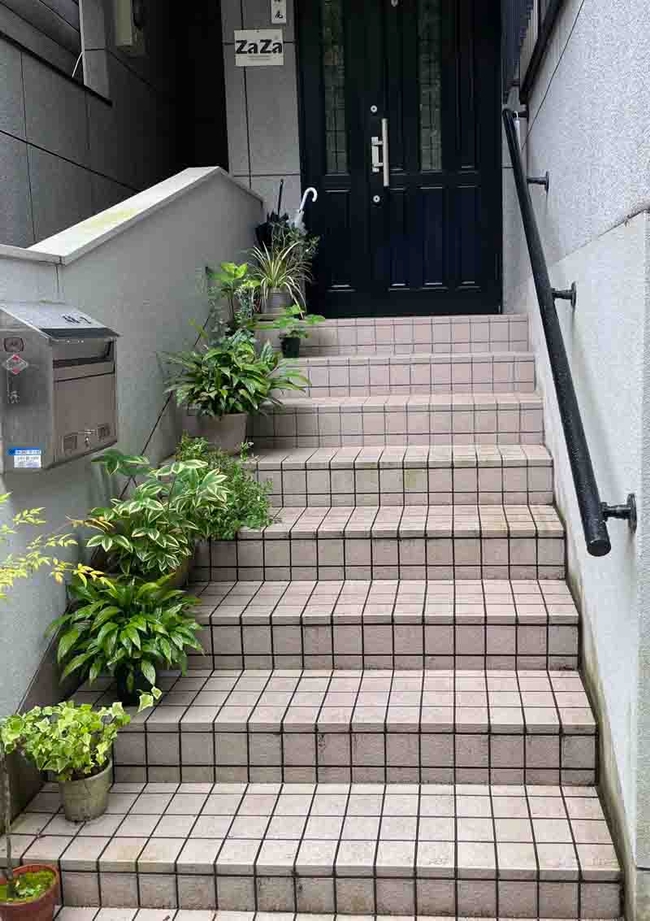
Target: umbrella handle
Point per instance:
(305, 198)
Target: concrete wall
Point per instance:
(262, 108)
(65, 153)
(138, 269)
(589, 127)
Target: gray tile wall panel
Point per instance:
(15, 214)
(61, 193)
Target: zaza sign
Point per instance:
(259, 47)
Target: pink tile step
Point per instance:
(393, 542)
(364, 375)
(415, 419)
(413, 335)
(472, 474)
(491, 624)
(433, 850)
(369, 726)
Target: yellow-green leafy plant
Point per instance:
(73, 742)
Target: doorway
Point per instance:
(401, 138)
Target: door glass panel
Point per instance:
(429, 54)
(334, 85)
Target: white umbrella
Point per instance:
(298, 220)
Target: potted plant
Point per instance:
(294, 324)
(73, 743)
(153, 532)
(29, 893)
(128, 629)
(220, 384)
(234, 284)
(281, 272)
(248, 503)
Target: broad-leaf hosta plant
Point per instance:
(127, 628)
(154, 530)
(71, 741)
(230, 376)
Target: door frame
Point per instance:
(460, 303)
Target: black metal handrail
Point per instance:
(593, 512)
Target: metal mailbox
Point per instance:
(58, 394)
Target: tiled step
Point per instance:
(188, 914)
(419, 419)
(392, 542)
(365, 375)
(507, 852)
(418, 475)
(412, 335)
(373, 726)
(384, 624)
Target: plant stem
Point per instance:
(5, 804)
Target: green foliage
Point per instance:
(27, 887)
(72, 742)
(231, 377)
(248, 501)
(294, 322)
(126, 625)
(282, 268)
(17, 566)
(154, 530)
(235, 284)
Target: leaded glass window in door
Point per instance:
(333, 43)
(429, 76)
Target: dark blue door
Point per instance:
(400, 135)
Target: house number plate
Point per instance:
(259, 47)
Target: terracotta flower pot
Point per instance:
(87, 798)
(40, 909)
(225, 432)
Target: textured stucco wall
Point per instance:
(589, 127)
(262, 108)
(144, 283)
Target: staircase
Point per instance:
(389, 718)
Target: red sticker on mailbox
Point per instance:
(15, 364)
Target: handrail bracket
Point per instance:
(625, 512)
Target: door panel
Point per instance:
(430, 242)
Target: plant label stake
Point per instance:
(279, 12)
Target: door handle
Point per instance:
(379, 153)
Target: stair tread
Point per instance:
(371, 700)
(189, 914)
(390, 521)
(456, 401)
(388, 601)
(399, 830)
(398, 456)
(420, 357)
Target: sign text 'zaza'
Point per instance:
(259, 47)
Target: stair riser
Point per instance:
(381, 558)
(532, 485)
(324, 893)
(347, 644)
(328, 426)
(358, 757)
(410, 335)
(408, 374)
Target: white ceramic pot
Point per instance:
(225, 432)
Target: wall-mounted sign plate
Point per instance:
(279, 12)
(259, 47)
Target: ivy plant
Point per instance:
(248, 503)
(153, 531)
(70, 741)
(125, 626)
(230, 376)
